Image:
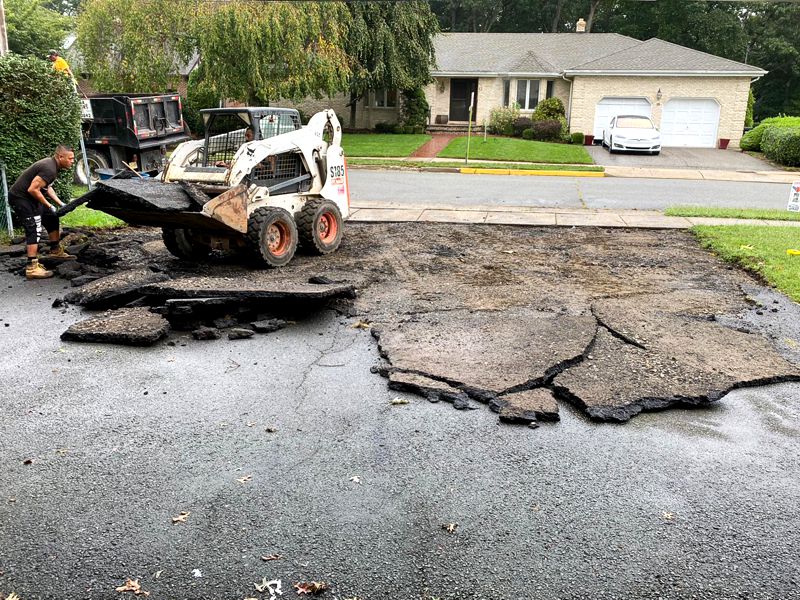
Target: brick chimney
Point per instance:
(580, 26)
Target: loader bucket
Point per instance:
(159, 204)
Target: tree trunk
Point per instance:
(353, 104)
(557, 16)
(592, 10)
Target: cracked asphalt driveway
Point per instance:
(260, 441)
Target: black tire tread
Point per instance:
(305, 226)
(255, 225)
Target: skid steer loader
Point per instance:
(258, 181)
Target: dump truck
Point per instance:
(258, 181)
(120, 130)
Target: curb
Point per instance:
(553, 173)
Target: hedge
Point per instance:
(752, 139)
(39, 110)
(782, 144)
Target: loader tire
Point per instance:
(272, 236)
(319, 224)
(181, 243)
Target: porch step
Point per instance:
(455, 129)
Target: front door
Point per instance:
(460, 92)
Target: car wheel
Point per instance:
(611, 145)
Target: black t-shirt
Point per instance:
(46, 168)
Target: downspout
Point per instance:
(569, 104)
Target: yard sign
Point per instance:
(794, 197)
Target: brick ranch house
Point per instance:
(694, 98)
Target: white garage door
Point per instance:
(609, 108)
(690, 122)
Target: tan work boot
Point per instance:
(59, 252)
(36, 271)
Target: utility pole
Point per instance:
(3, 35)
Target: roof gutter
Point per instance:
(669, 73)
(487, 74)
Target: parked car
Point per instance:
(632, 132)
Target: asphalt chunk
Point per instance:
(526, 407)
(129, 326)
(114, 290)
(243, 289)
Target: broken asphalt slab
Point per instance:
(240, 288)
(114, 290)
(129, 326)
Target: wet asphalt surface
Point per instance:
(680, 504)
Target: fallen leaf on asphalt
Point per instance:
(27, 461)
(261, 587)
(355, 479)
(62, 451)
(272, 557)
(396, 401)
(244, 479)
(507, 251)
(12, 499)
(311, 587)
(232, 366)
(12, 596)
(271, 430)
(361, 325)
(273, 587)
(158, 573)
(251, 423)
(790, 342)
(668, 516)
(132, 585)
(181, 518)
(450, 527)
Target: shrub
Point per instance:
(396, 128)
(419, 130)
(752, 139)
(502, 120)
(550, 108)
(577, 138)
(564, 129)
(408, 129)
(38, 111)
(547, 131)
(521, 124)
(414, 110)
(384, 127)
(748, 115)
(782, 144)
(527, 134)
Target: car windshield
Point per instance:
(634, 123)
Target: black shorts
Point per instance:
(32, 214)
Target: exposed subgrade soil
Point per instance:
(517, 318)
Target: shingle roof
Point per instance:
(556, 53)
(655, 56)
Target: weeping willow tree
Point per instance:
(391, 44)
(135, 46)
(250, 51)
(254, 51)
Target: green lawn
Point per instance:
(381, 144)
(758, 248)
(422, 164)
(86, 217)
(764, 214)
(514, 149)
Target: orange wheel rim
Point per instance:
(278, 239)
(327, 227)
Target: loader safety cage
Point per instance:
(226, 129)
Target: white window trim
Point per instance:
(528, 92)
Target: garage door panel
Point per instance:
(690, 122)
(610, 107)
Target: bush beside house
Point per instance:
(38, 111)
(782, 144)
(752, 139)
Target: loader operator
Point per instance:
(32, 197)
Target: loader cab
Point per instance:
(228, 128)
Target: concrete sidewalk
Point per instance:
(563, 217)
(707, 174)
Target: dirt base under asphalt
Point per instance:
(612, 321)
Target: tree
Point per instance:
(134, 46)
(34, 29)
(255, 52)
(391, 45)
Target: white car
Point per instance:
(632, 132)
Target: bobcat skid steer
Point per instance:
(258, 181)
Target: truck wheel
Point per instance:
(182, 244)
(319, 224)
(272, 235)
(97, 160)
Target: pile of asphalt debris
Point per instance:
(143, 293)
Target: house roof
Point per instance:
(658, 56)
(572, 53)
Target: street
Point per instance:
(450, 189)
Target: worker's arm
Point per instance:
(53, 196)
(35, 190)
